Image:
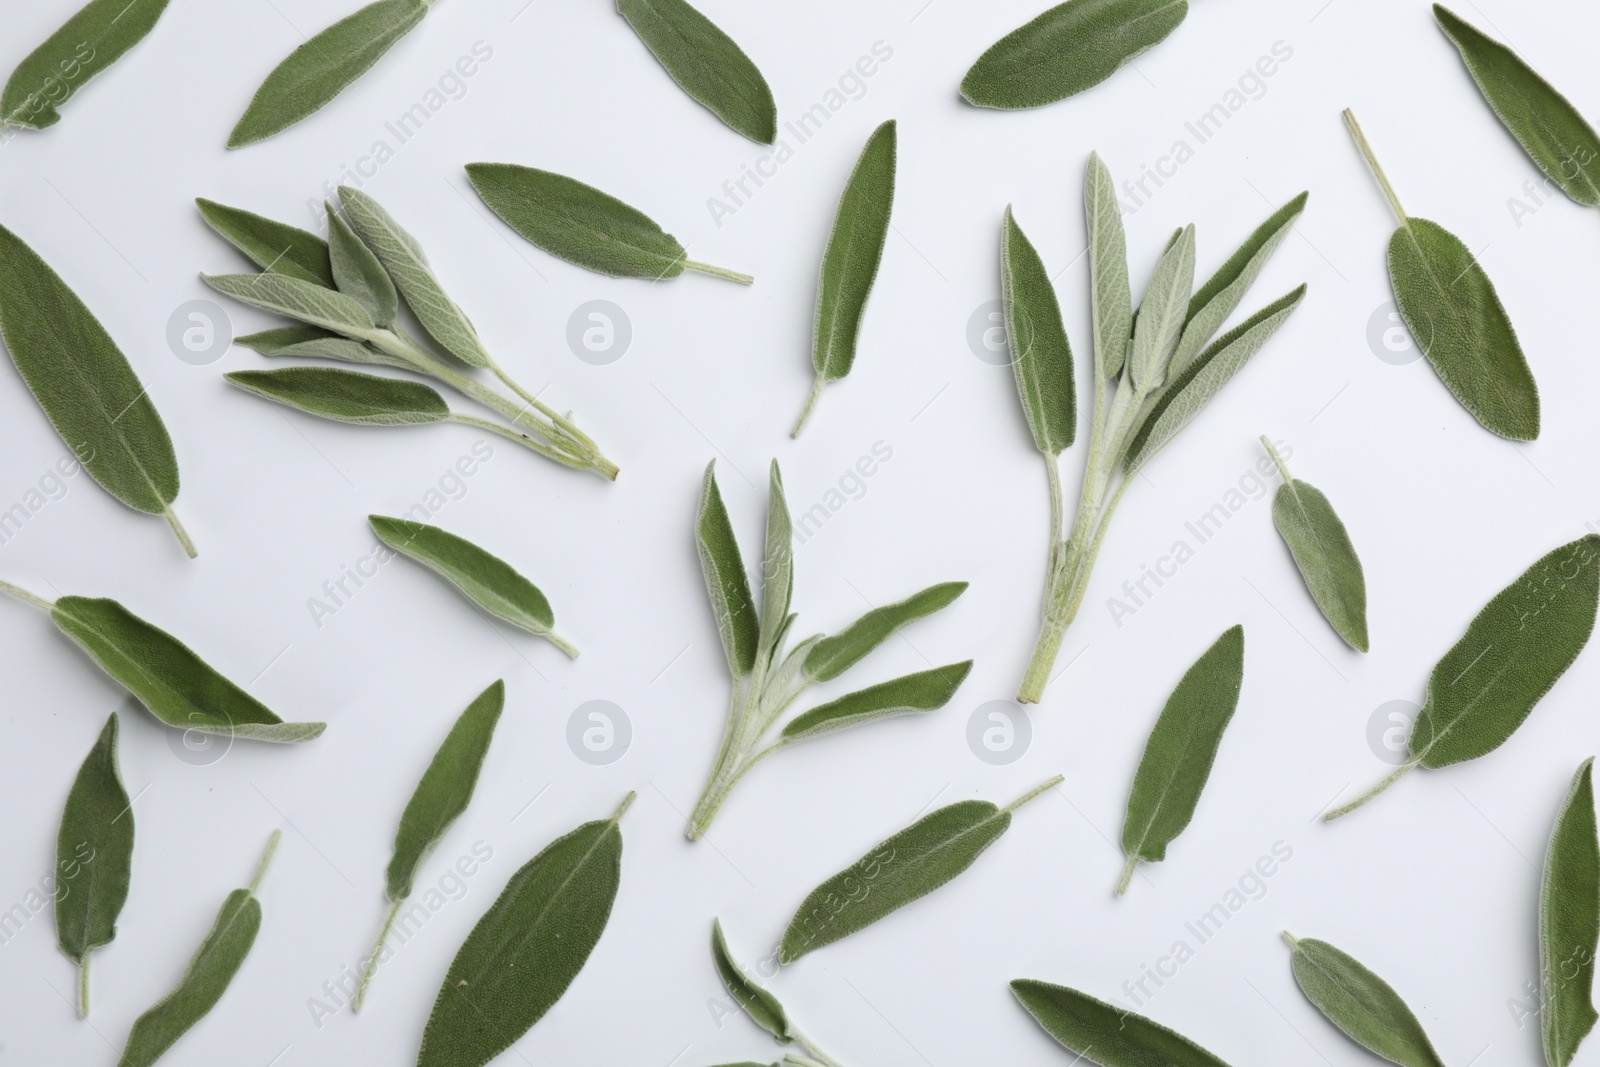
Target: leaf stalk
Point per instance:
(1364, 798)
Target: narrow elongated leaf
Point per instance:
(306, 301)
(85, 385)
(86, 44)
(706, 64)
(313, 342)
(322, 67)
(1041, 357)
(1569, 923)
(832, 656)
(1071, 47)
(1180, 751)
(1104, 1033)
(527, 948)
(345, 395)
(1110, 293)
(1162, 312)
(923, 691)
(777, 573)
(358, 273)
(210, 971)
(489, 581)
(1322, 551)
(1555, 136)
(757, 1003)
(94, 857)
(1360, 1003)
(728, 586)
(273, 246)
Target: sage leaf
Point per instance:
(1180, 751)
(322, 67)
(528, 947)
(850, 262)
(777, 575)
(306, 301)
(94, 857)
(1322, 551)
(832, 656)
(86, 386)
(1041, 357)
(487, 580)
(316, 343)
(212, 968)
(273, 246)
(86, 44)
(898, 870)
(1360, 1003)
(1162, 312)
(923, 691)
(1513, 652)
(441, 796)
(1071, 47)
(706, 64)
(584, 226)
(358, 273)
(345, 396)
(1454, 314)
(1556, 137)
(760, 1005)
(1569, 923)
(726, 582)
(1111, 295)
(1106, 1033)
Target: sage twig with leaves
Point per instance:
(1153, 373)
(763, 1008)
(767, 680)
(86, 44)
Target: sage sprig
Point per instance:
(1454, 314)
(1322, 551)
(767, 680)
(1105, 1033)
(763, 1008)
(1178, 756)
(86, 44)
(210, 971)
(173, 683)
(706, 64)
(1153, 373)
(1513, 652)
(1360, 1003)
(86, 386)
(904, 867)
(347, 294)
(1569, 923)
(850, 262)
(94, 857)
(441, 796)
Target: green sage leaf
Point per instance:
(1041, 357)
(322, 67)
(1071, 47)
(527, 948)
(345, 396)
(1111, 295)
(1106, 1033)
(86, 44)
(271, 245)
(832, 656)
(313, 342)
(760, 1005)
(1360, 1003)
(912, 693)
(306, 301)
(706, 64)
(727, 584)
(1569, 923)
(777, 575)
(1322, 551)
(1159, 325)
(358, 273)
(94, 857)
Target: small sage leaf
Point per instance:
(1569, 923)
(313, 342)
(1360, 1003)
(757, 1003)
(322, 67)
(923, 691)
(306, 301)
(358, 273)
(850, 262)
(1180, 751)
(211, 969)
(706, 64)
(1104, 1033)
(487, 580)
(726, 582)
(345, 396)
(1111, 295)
(901, 869)
(832, 656)
(86, 44)
(1071, 47)
(777, 575)
(85, 385)
(1322, 551)
(1041, 357)
(273, 246)
(528, 947)
(1159, 326)
(94, 857)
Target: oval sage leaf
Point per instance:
(86, 386)
(487, 580)
(1041, 357)
(898, 870)
(908, 695)
(345, 396)
(358, 273)
(727, 584)
(528, 947)
(757, 1003)
(1104, 1033)
(1569, 923)
(832, 656)
(94, 857)
(706, 64)
(1360, 1003)
(273, 246)
(86, 44)
(1323, 553)
(1071, 47)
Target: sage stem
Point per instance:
(1399, 772)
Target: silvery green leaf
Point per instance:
(1110, 293)
(86, 44)
(312, 342)
(1322, 551)
(1360, 1003)
(1106, 1034)
(777, 572)
(322, 67)
(832, 656)
(913, 693)
(345, 396)
(760, 1005)
(706, 64)
(1569, 923)
(271, 245)
(94, 857)
(310, 303)
(1159, 326)
(1041, 357)
(726, 582)
(358, 273)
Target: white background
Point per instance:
(1434, 886)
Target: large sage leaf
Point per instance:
(94, 857)
(345, 395)
(1569, 923)
(1106, 1033)
(706, 64)
(1180, 751)
(273, 246)
(1322, 551)
(898, 870)
(727, 584)
(1110, 294)
(527, 948)
(1360, 1003)
(923, 691)
(1071, 47)
(487, 580)
(85, 385)
(1041, 357)
(1158, 327)
(322, 67)
(86, 44)
(760, 1005)
(832, 656)
(358, 273)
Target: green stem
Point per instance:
(805, 412)
(520, 438)
(1400, 772)
(622, 809)
(562, 643)
(1372, 164)
(812, 1050)
(177, 528)
(26, 597)
(714, 794)
(1277, 460)
(83, 986)
(1290, 940)
(1127, 875)
(1043, 787)
(266, 858)
(718, 272)
(370, 967)
(562, 423)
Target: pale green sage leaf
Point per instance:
(271, 245)
(358, 273)
(832, 656)
(1110, 293)
(345, 395)
(1159, 326)
(1323, 553)
(908, 695)
(1360, 1003)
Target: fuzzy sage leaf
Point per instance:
(763, 1009)
(1106, 1034)
(94, 857)
(1360, 1003)
(357, 272)
(727, 584)
(313, 342)
(345, 396)
(1569, 923)
(1041, 357)
(706, 64)
(273, 246)
(1322, 552)
(1110, 293)
(86, 44)
(1159, 325)
(832, 656)
(924, 691)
